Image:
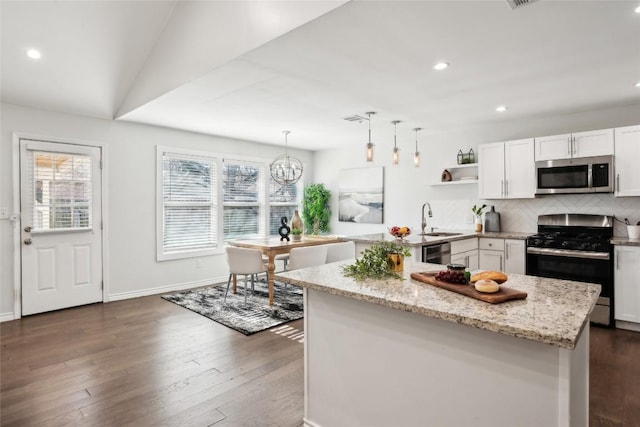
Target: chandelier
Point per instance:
(286, 169)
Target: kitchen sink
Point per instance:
(441, 234)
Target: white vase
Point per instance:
(633, 231)
(479, 224)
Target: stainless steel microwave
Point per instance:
(579, 175)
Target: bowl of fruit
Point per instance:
(399, 232)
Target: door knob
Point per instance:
(27, 229)
(27, 241)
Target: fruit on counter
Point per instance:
(487, 286)
(399, 231)
(451, 276)
(496, 276)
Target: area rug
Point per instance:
(254, 316)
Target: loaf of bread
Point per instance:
(488, 286)
(496, 276)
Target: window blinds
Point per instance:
(189, 194)
(283, 200)
(243, 199)
(60, 187)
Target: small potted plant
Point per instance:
(296, 234)
(381, 260)
(477, 211)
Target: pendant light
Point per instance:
(370, 144)
(396, 154)
(416, 155)
(286, 169)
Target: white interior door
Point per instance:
(61, 218)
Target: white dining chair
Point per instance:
(340, 251)
(244, 261)
(307, 256)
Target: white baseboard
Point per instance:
(166, 288)
(5, 317)
(630, 326)
(308, 423)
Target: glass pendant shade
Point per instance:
(369, 144)
(286, 169)
(396, 151)
(416, 155)
(369, 152)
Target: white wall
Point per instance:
(407, 188)
(130, 205)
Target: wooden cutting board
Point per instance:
(504, 294)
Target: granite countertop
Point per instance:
(416, 240)
(624, 241)
(554, 312)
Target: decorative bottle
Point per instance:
(296, 221)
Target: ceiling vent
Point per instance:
(517, 4)
(355, 118)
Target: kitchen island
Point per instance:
(405, 353)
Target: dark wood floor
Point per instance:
(148, 362)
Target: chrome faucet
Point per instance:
(424, 220)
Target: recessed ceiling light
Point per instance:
(33, 54)
(501, 108)
(637, 84)
(441, 66)
(638, 9)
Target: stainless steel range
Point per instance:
(576, 247)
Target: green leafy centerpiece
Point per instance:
(378, 262)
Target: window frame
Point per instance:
(161, 255)
(219, 159)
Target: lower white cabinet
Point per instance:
(491, 256)
(465, 252)
(514, 256)
(627, 285)
(506, 255)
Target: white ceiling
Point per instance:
(250, 69)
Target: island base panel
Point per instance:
(369, 365)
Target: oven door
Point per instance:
(580, 266)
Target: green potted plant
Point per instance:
(381, 260)
(296, 234)
(316, 211)
(477, 211)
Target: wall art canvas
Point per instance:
(361, 195)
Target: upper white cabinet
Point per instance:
(506, 170)
(627, 153)
(570, 145)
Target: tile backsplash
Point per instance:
(521, 215)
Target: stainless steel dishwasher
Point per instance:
(437, 254)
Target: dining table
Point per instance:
(273, 246)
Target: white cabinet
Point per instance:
(506, 255)
(491, 254)
(465, 252)
(514, 256)
(627, 153)
(627, 285)
(570, 145)
(506, 170)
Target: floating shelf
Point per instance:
(457, 182)
(463, 166)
